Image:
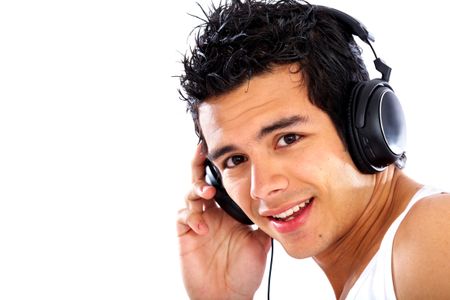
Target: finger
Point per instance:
(201, 191)
(209, 204)
(187, 221)
(198, 164)
(197, 200)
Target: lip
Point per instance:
(273, 212)
(292, 225)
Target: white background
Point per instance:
(95, 145)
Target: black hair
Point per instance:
(240, 39)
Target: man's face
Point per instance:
(282, 161)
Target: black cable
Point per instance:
(270, 269)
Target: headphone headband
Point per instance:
(357, 28)
(352, 25)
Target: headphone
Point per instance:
(376, 127)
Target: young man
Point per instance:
(311, 151)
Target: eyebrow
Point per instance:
(266, 130)
(282, 124)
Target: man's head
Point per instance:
(239, 40)
(268, 85)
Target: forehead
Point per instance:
(264, 98)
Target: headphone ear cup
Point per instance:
(352, 144)
(377, 127)
(212, 177)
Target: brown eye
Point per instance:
(288, 139)
(235, 160)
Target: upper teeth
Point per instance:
(291, 210)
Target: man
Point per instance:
(281, 101)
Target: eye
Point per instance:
(288, 139)
(234, 160)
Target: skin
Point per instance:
(275, 149)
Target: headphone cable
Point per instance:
(270, 269)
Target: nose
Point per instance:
(267, 180)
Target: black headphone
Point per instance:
(376, 127)
(222, 198)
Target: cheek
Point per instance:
(316, 165)
(333, 161)
(346, 191)
(336, 179)
(239, 191)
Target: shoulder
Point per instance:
(421, 251)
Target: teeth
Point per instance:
(292, 210)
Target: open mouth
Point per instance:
(293, 212)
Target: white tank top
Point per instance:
(376, 282)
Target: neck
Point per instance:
(345, 260)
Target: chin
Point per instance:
(298, 252)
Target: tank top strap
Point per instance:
(385, 251)
(376, 281)
(424, 192)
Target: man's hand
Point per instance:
(220, 258)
